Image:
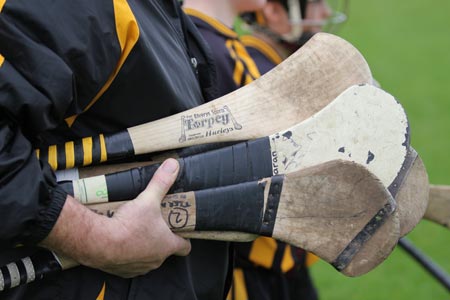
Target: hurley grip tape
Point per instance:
(28, 269)
(358, 242)
(242, 162)
(239, 207)
(88, 151)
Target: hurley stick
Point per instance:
(337, 210)
(412, 192)
(364, 124)
(438, 209)
(411, 188)
(283, 97)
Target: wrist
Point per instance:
(80, 234)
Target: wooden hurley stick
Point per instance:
(364, 124)
(412, 193)
(416, 187)
(337, 210)
(438, 209)
(283, 97)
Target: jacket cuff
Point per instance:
(47, 216)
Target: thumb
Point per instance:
(163, 179)
(158, 187)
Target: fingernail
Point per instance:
(170, 166)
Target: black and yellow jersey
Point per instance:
(264, 55)
(235, 68)
(266, 268)
(70, 69)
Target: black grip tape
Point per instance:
(96, 150)
(273, 200)
(22, 271)
(6, 277)
(242, 162)
(236, 208)
(78, 152)
(197, 149)
(127, 185)
(45, 263)
(346, 256)
(119, 145)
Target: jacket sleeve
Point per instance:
(55, 57)
(36, 90)
(30, 200)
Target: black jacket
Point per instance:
(70, 69)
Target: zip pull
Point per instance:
(194, 62)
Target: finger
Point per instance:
(183, 246)
(163, 179)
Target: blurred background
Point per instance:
(407, 46)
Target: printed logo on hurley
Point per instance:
(214, 122)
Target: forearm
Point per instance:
(78, 233)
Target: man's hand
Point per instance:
(133, 242)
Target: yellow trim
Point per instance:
(70, 154)
(38, 153)
(249, 62)
(70, 120)
(103, 154)
(239, 66)
(219, 26)
(101, 295)
(239, 286)
(87, 149)
(263, 47)
(263, 251)
(311, 259)
(287, 263)
(2, 3)
(248, 79)
(53, 157)
(2, 59)
(128, 34)
(243, 61)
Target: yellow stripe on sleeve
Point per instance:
(263, 251)
(238, 290)
(2, 59)
(87, 149)
(128, 35)
(70, 155)
(249, 62)
(222, 28)
(263, 47)
(311, 259)
(2, 3)
(101, 295)
(53, 157)
(239, 66)
(238, 72)
(287, 262)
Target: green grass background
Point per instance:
(407, 45)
